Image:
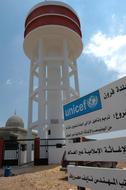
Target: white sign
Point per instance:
(97, 178)
(101, 111)
(102, 150)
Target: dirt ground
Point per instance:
(36, 178)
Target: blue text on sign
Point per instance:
(83, 105)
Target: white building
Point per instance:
(15, 138)
(14, 129)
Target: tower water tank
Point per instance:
(52, 42)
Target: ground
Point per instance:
(38, 178)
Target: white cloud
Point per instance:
(112, 50)
(117, 24)
(9, 82)
(14, 82)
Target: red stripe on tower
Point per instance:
(51, 9)
(52, 20)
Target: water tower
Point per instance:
(52, 42)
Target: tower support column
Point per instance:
(30, 110)
(76, 79)
(66, 82)
(41, 91)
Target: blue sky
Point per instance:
(103, 59)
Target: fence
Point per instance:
(1, 152)
(102, 111)
(47, 149)
(14, 152)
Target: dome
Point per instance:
(15, 121)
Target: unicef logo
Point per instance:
(92, 101)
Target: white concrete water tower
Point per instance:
(53, 42)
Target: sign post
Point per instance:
(102, 111)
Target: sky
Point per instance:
(103, 25)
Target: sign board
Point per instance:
(102, 150)
(101, 111)
(97, 178)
